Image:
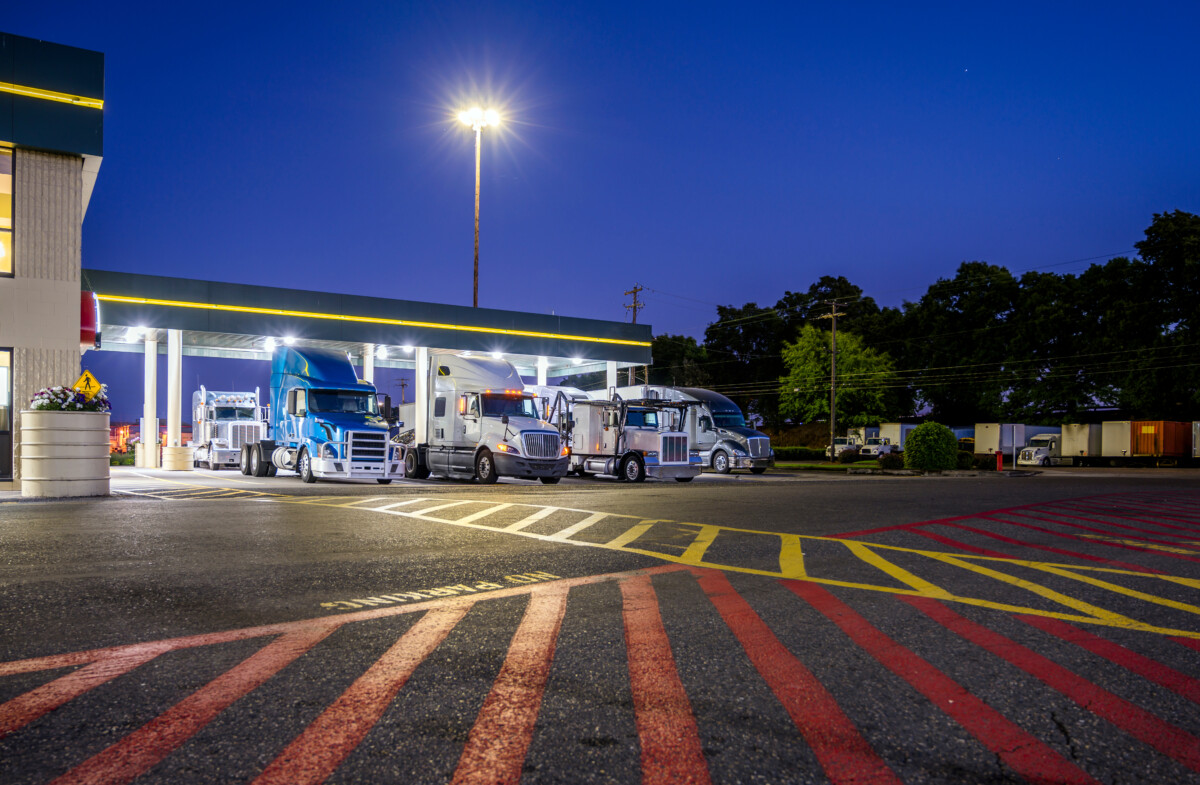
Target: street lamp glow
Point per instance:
(381, 352)
(497, 356)
(288, 340)
(491, 117)
(407, 349)
(269, 345)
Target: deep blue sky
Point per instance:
(722, 153)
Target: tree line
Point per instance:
(1122, 337)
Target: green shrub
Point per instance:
(850, 455)
(986, 463)
(966, 460)
(798, 454)
(931, 447)
(891, 460)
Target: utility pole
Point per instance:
(634, 308)
(403, 387)
(833, 315)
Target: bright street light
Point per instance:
(478, 119)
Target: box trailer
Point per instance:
(1114, 439)
(1161, 439)
(1080, 444)
(896, 433)
(1196, 439)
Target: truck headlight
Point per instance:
(508, 448)
(328, 451)
(565, 451)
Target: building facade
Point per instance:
(51, 143)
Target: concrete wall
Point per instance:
(39, 317)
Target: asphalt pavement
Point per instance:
(209, 627)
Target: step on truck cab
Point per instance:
(221, 423)
(631, 440)
(716, 428)
(480, 423)
(325, 422)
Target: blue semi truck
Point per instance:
(325, 422)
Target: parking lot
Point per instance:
(794, 627)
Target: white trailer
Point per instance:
(480, 423)
(1115, 439)
(1196, 439)
(221, 423)
(1081, 443)
(896, 433)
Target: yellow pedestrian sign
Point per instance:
(87, 385)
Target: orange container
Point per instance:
(1164, 438)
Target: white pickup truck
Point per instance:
(877, 445)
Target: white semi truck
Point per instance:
(631, 440)
(480, 423)
(221, 423)
(715, 426)
(1077, 445)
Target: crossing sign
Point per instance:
(87, 385)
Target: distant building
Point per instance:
(51, 143)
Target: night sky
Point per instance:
(712, 153)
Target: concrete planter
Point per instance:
(64, 453)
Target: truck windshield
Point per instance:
(640, 418)
(732, 419)
(873, 440)
(344, 401)
(512, 405)
(232, 413)
(1040, 441)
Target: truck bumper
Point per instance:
(332, 468)
(746, 462)
(530, 468)
(671, 470)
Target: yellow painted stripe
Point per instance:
(631, 535)
(694, 555)
(1180, 606)
(791, 557)
(112, 298)
(927, 589)
(1153, 546)
(51, 95)
(1062, 599)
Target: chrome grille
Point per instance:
(674, 448)
(368, 446)
(540, 445)
(242, 433)
(760, 447)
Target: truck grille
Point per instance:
(541, 445)
(674, 448)
(243, 433)
(368, 446)
(760, 447)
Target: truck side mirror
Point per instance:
(504, 419)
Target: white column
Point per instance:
(148, 449)
(421, 395)
(542, 365)
(611, 368)
(174, 387)
(369, 362)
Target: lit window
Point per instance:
(6, 226)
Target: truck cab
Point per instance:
(222, 422)
(841, 444)
(631, 440)
(877, 445)
(1042, 450)
(325, 422)
(481, 423)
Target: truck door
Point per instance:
(471, 414)
(439, 438)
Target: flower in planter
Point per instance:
(68, 399)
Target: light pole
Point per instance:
(478, 119)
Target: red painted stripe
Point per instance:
(496, 749)
(1140, 532)
(1133, 514)
(959, 545)
(841, 750)
(1143, 666)
(667, 730)
(1019, 750)
(314, 754)
(1191, 643)
(1061, 551)
(1105, 543)
(26, 708)
(149, 744)
(1134, 720)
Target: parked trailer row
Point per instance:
(1113, 442)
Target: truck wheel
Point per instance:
(304, 466)
(271, 470)
(383, 481)
(413, 470)
(244, 461)
(720, 462)
(549, 480)
(632, 469)
(485, 468)
(1045, 462)
(758, 470)
(258, 463)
